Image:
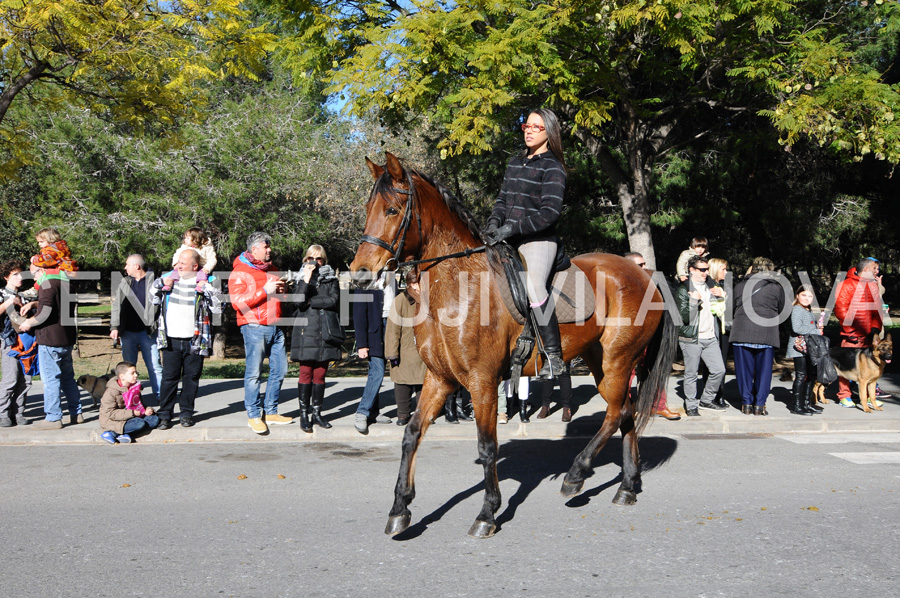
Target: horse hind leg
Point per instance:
(582, 466)
(631, 464)
(434, 392)
(614, 388)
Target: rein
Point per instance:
(465, 253)
(400, 237)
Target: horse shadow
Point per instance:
(532, 461)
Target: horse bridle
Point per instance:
(400, 237)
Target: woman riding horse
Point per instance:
(466, 334)
(526, 212)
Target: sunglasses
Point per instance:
(311, 260)
(702, 269)
(530, 127)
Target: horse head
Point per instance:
(393, 230)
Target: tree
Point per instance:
(266, 157)
(636, 80)
(141, 62)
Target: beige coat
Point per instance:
(113, 414)
(400, 341)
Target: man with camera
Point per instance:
(253, 292)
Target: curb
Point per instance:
(578, 429)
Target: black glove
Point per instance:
(494, 235)
(395, 362)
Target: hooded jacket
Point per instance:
(252, 304)
(113, 413)
(858, 307)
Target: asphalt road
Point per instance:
(719, 515)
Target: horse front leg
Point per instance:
(485, 403)
(434, 393)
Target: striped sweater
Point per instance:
(531, 197)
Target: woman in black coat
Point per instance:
(317, 334)
(755, 335)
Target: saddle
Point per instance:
(572, 294)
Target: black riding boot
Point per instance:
(808, 403)
(450, 409)
(796, 406)
(461, 412)
(553, 360)
(318, 397)
(305, 391)
(523, 410)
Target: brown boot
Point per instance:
(544, 412)
(567, 414)
(669, 415)
(662, 410)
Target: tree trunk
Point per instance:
(632, 193)
(218, 352)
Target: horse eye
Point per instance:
(392, 212)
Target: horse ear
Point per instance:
(375, 169)
(394, 167)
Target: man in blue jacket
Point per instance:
(369, 320)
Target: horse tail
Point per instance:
(656, 369)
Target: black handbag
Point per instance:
(332, 331)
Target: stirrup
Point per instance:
(553, 366)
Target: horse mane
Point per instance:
(384, 185)
(496, 254)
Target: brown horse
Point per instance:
(467, 335)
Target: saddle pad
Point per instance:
(572, 295)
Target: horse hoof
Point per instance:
(482, 529)
(624, 498)
(570, 488)
(397, 524)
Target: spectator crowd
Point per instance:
(169, 320)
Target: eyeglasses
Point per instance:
(530, 127)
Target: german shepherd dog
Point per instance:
(865, 365)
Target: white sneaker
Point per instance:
(362, 423)
(382, 419)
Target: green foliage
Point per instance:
(143, 63)
(635, 81)
(265, 158)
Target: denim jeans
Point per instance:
(140, 424)
(261, 342)
(132, 342)
(179, 364)
(369, 401)
(58, 376)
